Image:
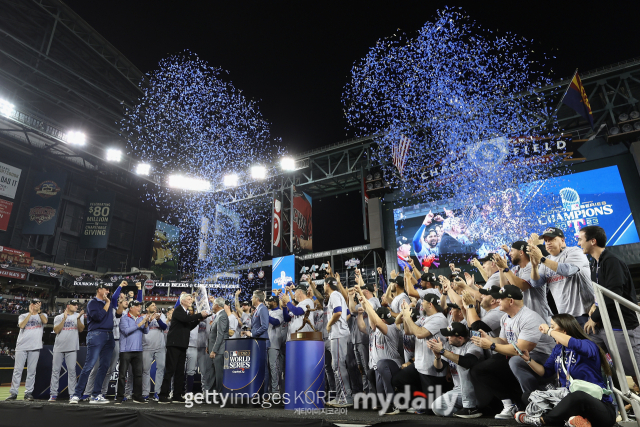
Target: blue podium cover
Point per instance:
(304, 378)
(245, 361)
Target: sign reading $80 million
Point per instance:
(97, 220)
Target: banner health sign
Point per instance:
(44, 203)
(98, 216)
(283, 271)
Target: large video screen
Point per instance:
(446, 231)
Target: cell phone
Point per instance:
(475, 334)
(517, 349)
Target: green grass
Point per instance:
(4, 392)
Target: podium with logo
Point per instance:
(304, 380)
(245, 361)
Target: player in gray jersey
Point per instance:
(361, 342)
(28, 348)
(338, 329)
(459, 355)
(384, 343)
(520, 275)
(566, 272)
(153, 349)
(491, 270)
(519, 332)
(191, 360)
(234, 325)
(276, 337)
(297, 313)
(67, 326)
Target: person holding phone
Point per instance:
(460, 355)
(575, 357)
(519, 326)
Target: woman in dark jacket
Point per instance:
(582, 359)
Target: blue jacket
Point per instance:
(97, 318)
(260, 322)
(131, 334)
(582, 362)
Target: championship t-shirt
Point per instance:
(67, 339)
(193, 337)
(536, 296)
(466, 348)
(493, 319)
(423, 292)
(573, 294)
(383, 346)
(396, 304)
(525, 326)
(246, 320)
(337, 304)
(154, 340)
(30, 337)
(234, 326)
(493, 280)
(424, 355)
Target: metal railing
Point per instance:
(625, 394)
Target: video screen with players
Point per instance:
(447, 231)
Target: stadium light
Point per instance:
(230, 180)
(76, 138)
(258, 172)
(143, 169)
(114, 155)
(6, 108)
(186, 183)
(288, 164)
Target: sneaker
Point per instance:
(98, 400)
(143, 400)
(119, 401)
(85, 398)
(508, 413)
(394, 411)
(578, 421)
(124, 399)
(11, 397)
(522, 418)
(28, 397)
(74, 400)
(179, 400)
(468, 413)
(416, 411)
(155, 397)
(164, 400)
(53, 398)
(347, 404)
(332, 402)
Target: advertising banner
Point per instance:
(302, 223)
(5, 213)
(44, 202)
(13, 274)
(166, 250)
(98, 216)
(277, 223)
(283, 271)
(9, 179)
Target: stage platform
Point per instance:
(61, 414)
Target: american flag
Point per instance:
(400, 152)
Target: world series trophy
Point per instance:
(306, 321)
(201, 298)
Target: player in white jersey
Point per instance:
(338, 336)
(67, 327)
(297, 313)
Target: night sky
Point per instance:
(295, 57)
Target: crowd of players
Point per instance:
(493, 350)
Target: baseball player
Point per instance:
(338, 335)
(28, 348)
(67, 327)
(153, 348)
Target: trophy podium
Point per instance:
(304, 377)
